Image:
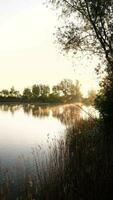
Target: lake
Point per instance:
(23, 127)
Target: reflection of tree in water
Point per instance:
(10, 107)
(27, 108)
(40, 112)
(68, 114)
(36, 111)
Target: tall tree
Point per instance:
(68, 89)
(56, 91)
(88, 26)
(27, 94)
(65, 87)
(44, 90)
(14, 93)
(35, 91)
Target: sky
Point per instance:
(28, 53)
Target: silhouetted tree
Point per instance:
(65, 91)
(68, 89)
(5, 93)
(27, 94)
(35, 91)
(56, 91)
(14, 93)
(44, 90)
(88, 26)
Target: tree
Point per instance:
(55, 91)
(94, 33)
(35, 91)
(27, 94)
(5, 93)
(44, 90)
(88, 26)
(66, 86)
(67, 89)
(14, 93)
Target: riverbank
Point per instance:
(40, 104)
(46, 100)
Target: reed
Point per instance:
(79, 167)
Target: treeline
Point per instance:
(64, 92)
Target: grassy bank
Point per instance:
(79, 168)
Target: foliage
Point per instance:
(67, 89)
(4, 93)
(64, 92)
(35, 91)
(88, 26)
(44, 90)
(27, 94)
(95, 31)
(14, 93)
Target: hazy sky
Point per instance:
(28, 54)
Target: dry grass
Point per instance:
(79, 168)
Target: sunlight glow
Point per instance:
(28, 54)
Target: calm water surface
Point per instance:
(23, 127)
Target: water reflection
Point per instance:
(10, 107)
(88, 112)
(36, 111)
(25, 126)
(67, 114)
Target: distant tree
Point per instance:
(44, 90)
(27, 94)
(5, 93)
(14, 93)
(56, 91)
(67, 89)
(35, 91)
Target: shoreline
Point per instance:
(39, 104)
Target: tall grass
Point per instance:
(78, 168)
